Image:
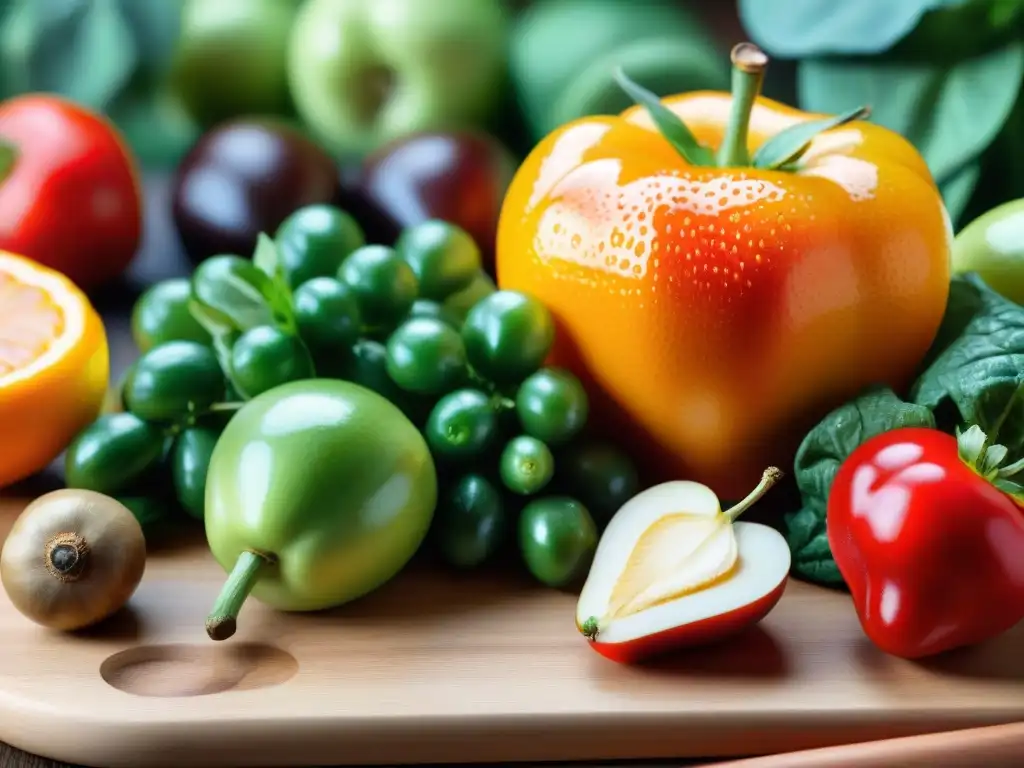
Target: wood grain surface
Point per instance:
(437, 668)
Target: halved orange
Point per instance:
(54, 365)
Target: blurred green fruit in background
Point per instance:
(230, 58)
(564, 53)
(364, 72)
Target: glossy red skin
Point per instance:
(696, 633)
(957, 561)
(72, 200)
(459, 177)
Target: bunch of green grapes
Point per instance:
(419, 323)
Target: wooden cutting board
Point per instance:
(437, 668)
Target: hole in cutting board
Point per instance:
(181, 670)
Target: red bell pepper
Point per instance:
(927, 530)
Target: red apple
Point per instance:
(673, 570)
(458, 177)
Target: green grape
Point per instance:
(462, 425)
(384, 285)
(507, 336)
(552, 406)
(526, 465)
(427, 357)
(471, 522)
(557, 540)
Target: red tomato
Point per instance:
(932, 552)
(71, 198)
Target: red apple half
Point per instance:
(673, 570)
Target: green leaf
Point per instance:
(1011, 470)
(789, 145)
(278, 292)
(82, 49)
(223, 334)
(1010, 488)
(808, 543)
(233, 291)
(803, 28)
(950, 112)
(821, 453)
(974, 367)
(101, 57)
(156, 27)
(668, 123)
(267, 258)
(970, 444)
(215, 323)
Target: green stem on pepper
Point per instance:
(983, 454)
(780, 152)
(222, 621)
(748, 66)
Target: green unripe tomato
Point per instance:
(151, 512)
(507, 335)
(327, 314)
(462, 425)
(426, 357)
(459, 304)
(557, 540)
(315, 240)
(161, 314)
(190, 462)
(173, 381)
(471, 522)
(526, 465)
(383, 284)
(435, 311)
(600, 475)
(266, 357)
(552, 405)
(444, 257)
(112, 453)
(367, 365)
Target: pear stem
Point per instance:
(748, 67)
(223, 619)
(770, 477)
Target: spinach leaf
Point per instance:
(976, 363)
(951, 112)
(822, 27)
(817, 460)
